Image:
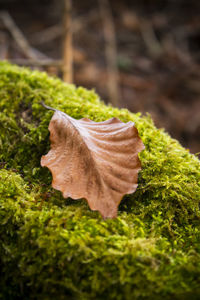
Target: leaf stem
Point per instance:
(47, 107)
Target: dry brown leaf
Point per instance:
(95, 161)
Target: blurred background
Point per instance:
(143, 55)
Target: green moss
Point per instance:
(57, 248)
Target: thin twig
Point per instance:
(4, 46)
(17, 35)
(37, 62)
(110, 51)
(34, 56)
(47, 35)
(67, 43)
(56, 31)
(153, 45)
(81, 22)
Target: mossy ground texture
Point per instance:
(56, 248)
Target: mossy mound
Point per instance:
(55, 248)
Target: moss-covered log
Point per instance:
(55, 248)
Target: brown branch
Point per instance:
(56, 31)
(110, 51)
(37, 62)
(150, 39)
(34, 57)
(47, 35)
(81, 22)
(4, 46)
(67, 43)
(17, 35)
